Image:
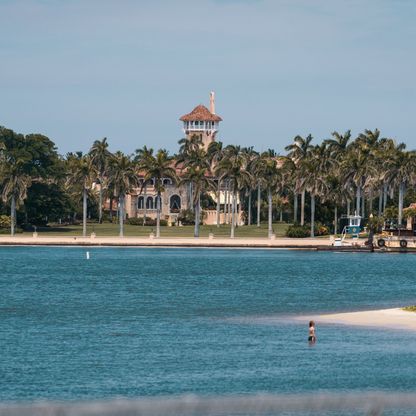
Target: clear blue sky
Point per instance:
(79, 70)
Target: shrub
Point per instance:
(321, 229)
(5, 221)
(149, 221)
(298, 231)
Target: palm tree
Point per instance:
(402, 168)
(318, 165)
(158, 167)
(298, 152)
(250, 156)
(272, 178)
(81, 175)
(100, 156)
(215, 153)
(141, 155)
(123, 177)
(198, 176)
(14, 184)
(233, 169)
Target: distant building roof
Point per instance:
(200, 113)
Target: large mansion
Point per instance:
(204, 123)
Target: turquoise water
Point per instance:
(143, 322)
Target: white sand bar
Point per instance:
(395, 318)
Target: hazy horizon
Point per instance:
(78, 71)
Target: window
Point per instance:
(140, 202)
(149, 203)
(175, 203)
(158, 199)
(166, 182)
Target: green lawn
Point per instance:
(108, 229)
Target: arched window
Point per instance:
(150, 182)
(149, 203)
(158, 198)
(167, 181)
(140, 202)
(175, 203)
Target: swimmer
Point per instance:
(312, 336)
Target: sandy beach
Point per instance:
(395, 318)
(301, 243)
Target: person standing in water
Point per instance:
(312, 336)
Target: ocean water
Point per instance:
(133, 322)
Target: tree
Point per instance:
(215, 153)
(158, 167)
(232, 168)
(14, 185)
(81, 175)
(123, 177)
(100, 157)
(299, 152)
(198, 176)
(141, 156)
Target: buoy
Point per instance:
(88, 255)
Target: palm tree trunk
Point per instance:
(84, 213)
(121, 215)
(226, 197)
(270, 226)
(295, 208)
(249, 209)
(281, 215)
(380, 202)
(12, 215)
(312, 215)
(401, 197)
(233, 216)
(191, 197)
(348, 208)
(302, 208)
(336, 220)
(218, 202)
(358, 203)
(158, 214)
(100, 208)
(363, 205)
(111, 208)
(145, 205)
(384, 197)
(258, 204)
(197, 217)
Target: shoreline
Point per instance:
(239, 242)
(393, 318)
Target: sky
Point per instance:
(81, 70)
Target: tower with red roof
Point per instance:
(202, 122)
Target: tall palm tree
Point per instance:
(14, 184)
(100, 156)
(233, 169)
(215, 153)
(402, 168)
(123, 177)
(81, 175)
(250, 156)
(299, 152)
(318, 164)
(158, 167)
(141, 155)
(198, 175)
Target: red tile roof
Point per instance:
(200, 113)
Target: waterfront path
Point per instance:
(300, 243)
